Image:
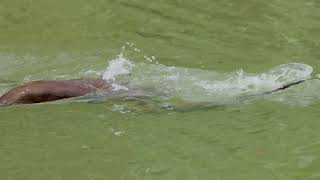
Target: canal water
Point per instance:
(190, 98)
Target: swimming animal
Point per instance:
(43, 91)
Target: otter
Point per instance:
(51, 90)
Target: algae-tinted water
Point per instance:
(272, 137)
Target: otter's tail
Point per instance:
(285, 86)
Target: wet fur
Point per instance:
(43, 91)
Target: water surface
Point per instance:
(270, 137)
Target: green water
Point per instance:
(118, 139)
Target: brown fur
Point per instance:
(43, 91)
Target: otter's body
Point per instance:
(43, 91)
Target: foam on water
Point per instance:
(197, 85)
(116, 67)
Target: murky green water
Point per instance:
(274, 137)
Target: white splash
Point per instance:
(242, 82)
(117, 87)
(116, 67)
(197, 85)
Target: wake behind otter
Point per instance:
(196, 86)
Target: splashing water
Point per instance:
(117, 67)
(197, 85)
